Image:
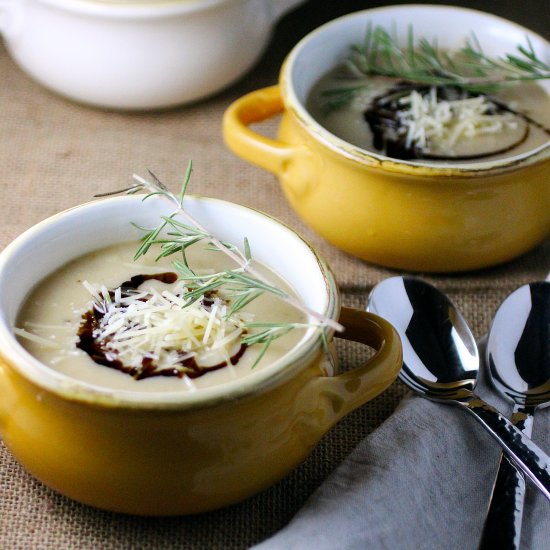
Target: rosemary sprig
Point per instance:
(423, 62)
(267, 334)
(271, 331)
(244, 282)
(243, 288)
(340, 97)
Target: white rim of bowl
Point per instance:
(355, 153)
(75, 390)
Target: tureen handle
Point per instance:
(280, 7)
(293, 164)
(270, 154)
(351, 389)
(370, 379)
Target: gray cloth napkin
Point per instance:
(423, 479)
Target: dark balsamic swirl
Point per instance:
(384, 117)
(97, 349)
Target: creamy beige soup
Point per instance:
(348, 122)
(53, 312)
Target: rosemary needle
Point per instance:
(195, 229)
(423, 62)
(244, 282)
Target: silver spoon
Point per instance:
(518, 361)
(441, 362)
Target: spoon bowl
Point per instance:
(518, 363)
(518, 347)
(441, 362)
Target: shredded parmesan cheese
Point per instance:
(426, 119)
(163, 327)
(35, 338)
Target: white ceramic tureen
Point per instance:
(137, 54)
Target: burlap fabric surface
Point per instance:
(55, 154)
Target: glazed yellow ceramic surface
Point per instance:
(402, 214)
(174, 452)
(414, 218)
(159, 460)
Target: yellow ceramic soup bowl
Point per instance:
(401, 214)
(178, 452)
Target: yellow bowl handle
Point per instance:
(270, 154)
(349, 390)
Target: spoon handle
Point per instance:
(502, 527)
(532, 460)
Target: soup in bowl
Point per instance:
(385, 172)
(185, 422)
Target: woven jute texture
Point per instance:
(55, 154)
